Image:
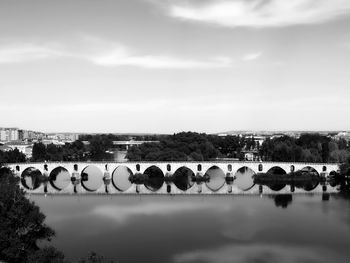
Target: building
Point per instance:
(125, 145)
(9, 134)
(23, 147)
(5, 148)
(13, 134)
(3, 135)
(251, 155)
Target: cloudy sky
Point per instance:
(167, 66)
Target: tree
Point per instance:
(94, 258)
(184, 146)
(47, 254)
(99, 145)
(12, 156)
(39, 152)
(22, 223)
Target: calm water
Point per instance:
(298, 228)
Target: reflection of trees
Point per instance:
(35, 177)
(154, 178)
(55, 173)
(306, 179)
(307, 185)
(276, 186)
(182, 178)
(283, 200)
(344, 189)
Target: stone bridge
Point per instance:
(159, 177)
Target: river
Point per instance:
(201, 228)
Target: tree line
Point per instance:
(12, 156)
(306, 148)
(191, 146)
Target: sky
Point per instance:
(161, 66)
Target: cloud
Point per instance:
(19, 52)
(257, 253)
(259, 13)
(122, 214)
(155, 62)
(111, 54)
(252, 56)
(105, 53)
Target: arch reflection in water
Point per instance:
(91, 178)
(244, 178)
(311, 178)
(120, 178)
(277, 173)
(309, 185)
(31, 178)
(183, 178)
(60, 178)
(155, 178)
(216, 178)
(276, 186)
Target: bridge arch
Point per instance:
(309, 170)
(120, 178)
(244, 178)
(31, 178)
(276, 170)
(216, 178)
(59, 178)
(333, 173)
(155, 178)
(91, 178)
(182, 178)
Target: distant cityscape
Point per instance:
(23, 140)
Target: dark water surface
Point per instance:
(281, 228)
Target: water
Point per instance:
(280, 228)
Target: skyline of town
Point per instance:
(238, 131)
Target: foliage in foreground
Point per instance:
(22, 223)
(22, 226)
